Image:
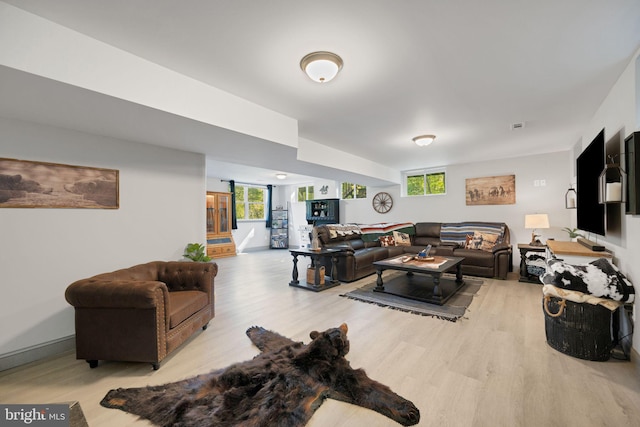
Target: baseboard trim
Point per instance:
(37, 352)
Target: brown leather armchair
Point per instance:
(141, 313)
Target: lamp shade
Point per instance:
(321, 67)
(536, 221)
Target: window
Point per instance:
(425, 182)
(305, 193)
(250, 202)
(353, 191)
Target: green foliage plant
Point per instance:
(196, 252)
(573, 232)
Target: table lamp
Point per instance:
(534, 221)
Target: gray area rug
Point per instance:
(452, 310)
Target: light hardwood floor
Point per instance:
(492, 368)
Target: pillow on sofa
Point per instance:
(387, 240)
(467, 243)
(483, 241)
(599, 278)
(402, 239)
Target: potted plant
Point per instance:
(573, 232)
(196, 252)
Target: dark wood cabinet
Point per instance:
(323, 211)
(219, 238)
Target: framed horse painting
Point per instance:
(491, 190)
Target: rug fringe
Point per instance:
(405, 310)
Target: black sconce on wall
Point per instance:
(570, 198)
(612, 183)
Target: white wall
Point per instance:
(42, 251)
(618, 114)
(549, 199)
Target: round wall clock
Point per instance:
(382, 202)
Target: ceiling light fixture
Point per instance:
(424, 140)
(321, 67)
(281, 175)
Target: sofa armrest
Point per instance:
(92, 293)
(343, 247)
(446, 249)
(501, 247)
(448, 245)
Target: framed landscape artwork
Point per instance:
(491, 190)
(29, 184)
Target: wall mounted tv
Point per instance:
(589, 165)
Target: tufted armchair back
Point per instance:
(185, 276)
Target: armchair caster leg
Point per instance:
(204, 328)
(156, 366)
(92, 363)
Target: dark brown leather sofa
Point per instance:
(496, 262)
(356, 260)
(141, 313)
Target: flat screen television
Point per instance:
(589, 165)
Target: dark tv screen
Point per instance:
(590, 163)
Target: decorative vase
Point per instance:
(315, 241)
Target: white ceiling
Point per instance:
(462, 70)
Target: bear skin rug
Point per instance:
(282, 386)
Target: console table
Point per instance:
(329, 282)
(574, 252)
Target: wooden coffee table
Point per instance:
(427, 285)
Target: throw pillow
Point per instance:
(387, 240)
(467, 243)
(402, 239)
(483, 241)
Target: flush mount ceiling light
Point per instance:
(424, 140)
(321, 67)
(281, 175)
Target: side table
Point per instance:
(525, 276)
(330, 281)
